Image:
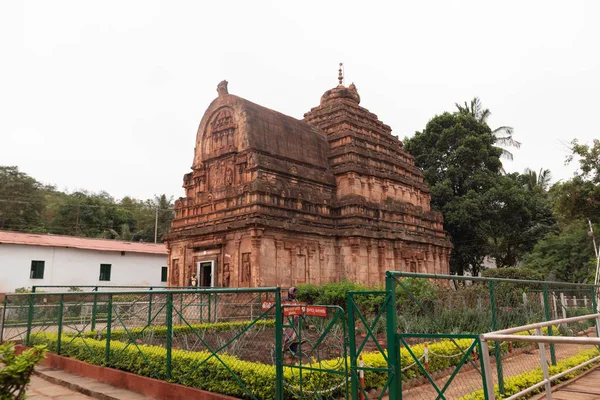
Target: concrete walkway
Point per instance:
(48, 383)
(583, 388)
(40, 389)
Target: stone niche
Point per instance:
(276, 201)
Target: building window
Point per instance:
(163, 274)
(105, 272)
(37, 270)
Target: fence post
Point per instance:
(563, 303)
(29, 318)
(544, 363)
(94, 306)
(209, 296)
(352, 341)
(5, 302)
(215, 305)
(181, 309)
(497, 350)
(278, 346)
(169, 310)
(486, 366)
(108, 329)
(60, 322)
(554, 304)
(549, 318)
(392, 342)
(150, 307)
(595, 307)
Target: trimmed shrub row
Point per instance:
(160, 331)
(257, 377)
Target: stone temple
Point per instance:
(277, 201)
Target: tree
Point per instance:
(503, 134)
(580, 196)
(459, 160)
(589, 160)
(485, 213)
(567, 255)
(518, 217)
(21, 201)
(536, 181)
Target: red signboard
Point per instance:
(316, 311)
(289, 311)
(293, 308)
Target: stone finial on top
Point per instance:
(222, 88)
(341, 74)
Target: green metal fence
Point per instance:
(229, 341)
(418, 338)
(456, 306)
(221, 340)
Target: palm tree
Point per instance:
(503, 134)
(540, 179)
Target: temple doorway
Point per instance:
(206, 273)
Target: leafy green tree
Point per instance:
(580, 196)
(460, 162)
(589, 159)
(518, 216)
(485, 213)
(567, 255)
(21, 201)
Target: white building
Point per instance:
(28, 260)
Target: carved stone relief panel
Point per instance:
(245, 273)
(220, 133)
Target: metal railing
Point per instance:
(509, 335)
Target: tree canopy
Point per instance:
(28, 206)
(485, 212)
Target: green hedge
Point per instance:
(160, 331)
(515, 384)
(257, 377)
(150, 361)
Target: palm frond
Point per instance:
(505, 154)
(484, 115)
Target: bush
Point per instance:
(161, 331)
(515, 384)
(17, 369)
(197, 369)
(513, 273)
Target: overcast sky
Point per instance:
(108, 95)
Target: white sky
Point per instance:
(108, 95)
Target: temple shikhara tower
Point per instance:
(273, 200)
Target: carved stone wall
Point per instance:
(272, 200)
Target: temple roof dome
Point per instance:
(341, 92)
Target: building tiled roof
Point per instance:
(32, 239)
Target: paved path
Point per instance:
(48, 383)
(40, 389)
(584, 388)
